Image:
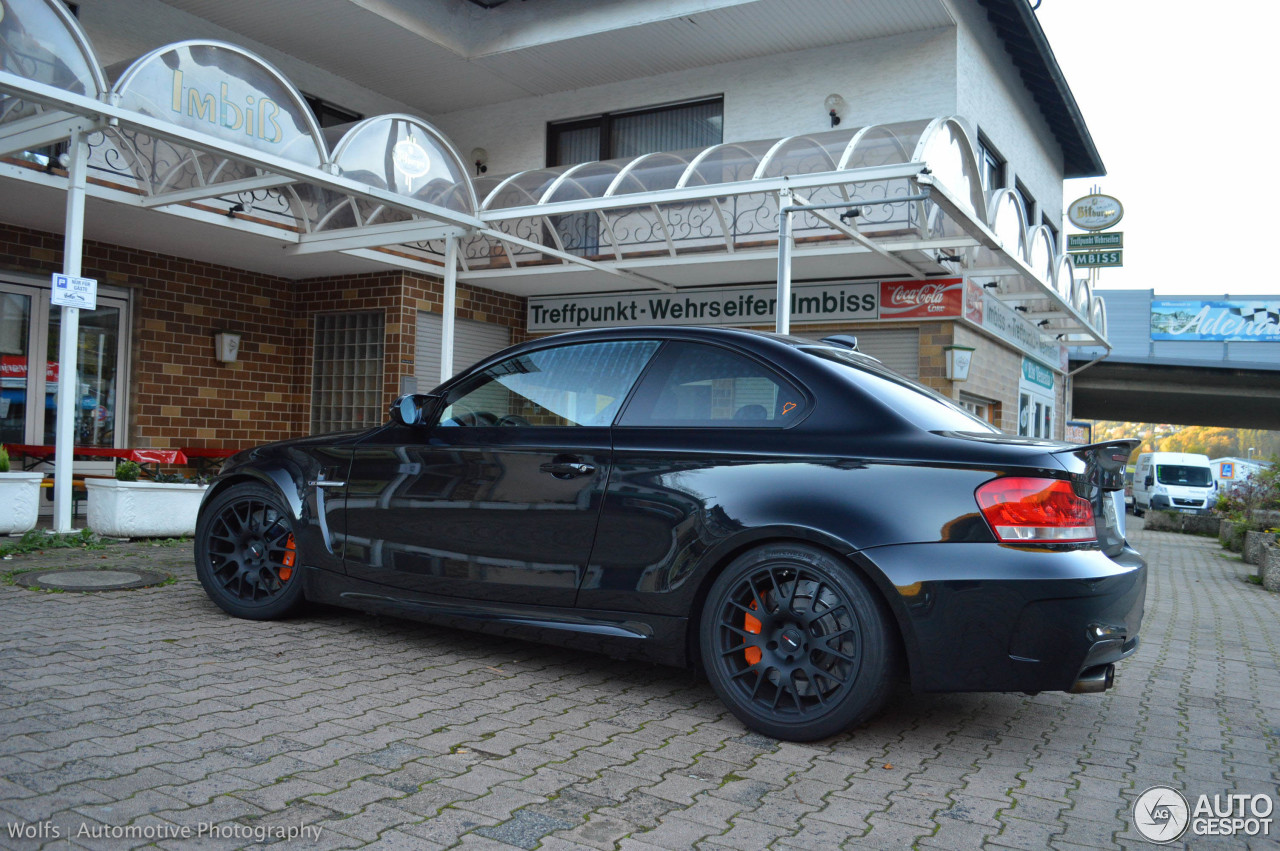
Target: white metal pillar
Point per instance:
(69, 329)
(783, 312)
(449, 308)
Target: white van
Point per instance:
(1173, 481)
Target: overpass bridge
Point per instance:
(1209, 360)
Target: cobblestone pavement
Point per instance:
(152, 709)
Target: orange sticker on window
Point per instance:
(788, 408)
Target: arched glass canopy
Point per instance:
(43, 43)
(209, 126)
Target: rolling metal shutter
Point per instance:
(896, 348)
(472, 341)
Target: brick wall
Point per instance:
(180, 395)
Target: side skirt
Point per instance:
(624, 635)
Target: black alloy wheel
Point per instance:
(796, 644)
(246, 554)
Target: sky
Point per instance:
(1179, 98)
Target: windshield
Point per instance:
(925, 407)
(1180, 474)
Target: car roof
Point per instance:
(759, 341)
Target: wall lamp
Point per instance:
(226, 346)
(835, 107)
(481, 158)
(235, 208)
(958, 360)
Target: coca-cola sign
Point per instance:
(936, 299)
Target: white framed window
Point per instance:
(976, 405)
(1035, 415)
(346, 371)
(991, 164)
(30, 371)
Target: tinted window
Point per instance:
(1178, 474)
(924, 407)
(700, 386)
(580, 385)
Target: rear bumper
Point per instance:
(991, 617)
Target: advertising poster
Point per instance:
(1257, 321)
(921, 299)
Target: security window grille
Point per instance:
(346, 383)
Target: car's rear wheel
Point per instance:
(246, 553)
(796, 644)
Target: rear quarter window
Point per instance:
(922, 406)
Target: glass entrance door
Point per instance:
(15, 354)
(30, 372)
(96, 379)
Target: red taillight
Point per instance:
(1046, 511)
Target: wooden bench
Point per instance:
(78, 491)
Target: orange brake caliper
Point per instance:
(290, 554)
(751, 625)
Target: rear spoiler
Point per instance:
(1105, 461)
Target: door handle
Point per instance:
(568, 469)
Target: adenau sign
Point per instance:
(836, 301)
(1256, 321)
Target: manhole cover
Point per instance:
(89, 579)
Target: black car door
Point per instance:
(702, 436)
(499, 497)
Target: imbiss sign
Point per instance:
(838, 301)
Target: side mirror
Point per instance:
(410, 409)
(1151, 480)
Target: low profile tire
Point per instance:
(796, 644)
(246, 555)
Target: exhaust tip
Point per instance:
(1094, 680)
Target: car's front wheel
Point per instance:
(796, 644)
(246, 553)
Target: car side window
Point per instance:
(575, 385)
(700, 386)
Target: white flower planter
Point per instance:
(142, 509)
(19, 502)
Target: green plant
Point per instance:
(37, 540)
(127, 471)
(169, 479)
(4, 459)
(1258, 492)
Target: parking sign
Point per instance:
(74, 292)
